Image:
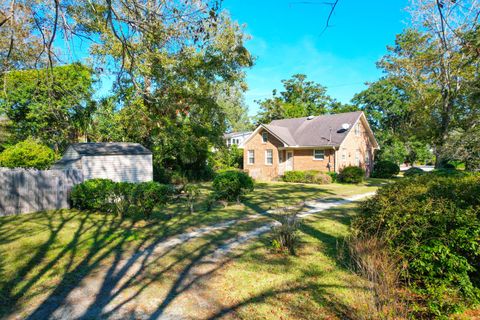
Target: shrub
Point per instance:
(413, 171)
(120, 197)
(94, 194)
(310, 176)
(385, 169)
(231, 185)
(148, 195)
(27, 154)
(432, 224)
(333, 175)
(448, 166)
(351, 174)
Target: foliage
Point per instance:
(232, 101)
(385, 169)
(413, 171)
(52, 105)
(27, 154)
(431, 222)
(228, 158)
(121, 198)
(285, 234)
(192, 193)
(231, 185)
(94, 194)
(351, 174)
(300, 98)
(310, 176)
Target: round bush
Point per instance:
(385, 169)
(413, 171)
(27, 154)
(231, 185)
(351, 174)
(431, 224)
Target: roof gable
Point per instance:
(325, 130)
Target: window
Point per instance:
(228, 142)
(264, 137)
(367, 157)
(318, 154)
(269, 156)
(344, 154)
(251, 156)
(357, 158)
(357, 129)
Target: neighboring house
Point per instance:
(323, 143)
(236, 138)
(117, 161)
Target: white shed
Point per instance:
(117, 161)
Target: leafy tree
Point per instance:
(232, 102)
(228, 158)
(386, 106)
(428, 62)
(27, 154)
(52, 105)
(299, 98)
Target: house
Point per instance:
(236, 138)
(323, 143)
(117, 161)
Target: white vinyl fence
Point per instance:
(23, 191)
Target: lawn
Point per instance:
(45, 257)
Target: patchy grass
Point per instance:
(45, 256)
(311, 285)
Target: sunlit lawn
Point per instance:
(46, 255)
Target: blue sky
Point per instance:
(287, 38)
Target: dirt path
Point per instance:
(148, 285)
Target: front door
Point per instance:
(289, 162)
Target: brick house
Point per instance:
(323, 143)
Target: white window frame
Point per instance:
(268, 157)
(367, 157)
(315, 156)
(264, 137)
(344, 154)
(252, 157)
(357, 129)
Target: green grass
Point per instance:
(45, 255)
(314, 284)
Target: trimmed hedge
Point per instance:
(231, 185)
(432, 224)
(385, 169)
(120, 197)
(351, 174)
(310, 176)
(413, 171)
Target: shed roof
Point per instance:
(109, 148)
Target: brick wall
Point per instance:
(347, 154)
(303, 160)
(259, 170)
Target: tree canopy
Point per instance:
(299, 98)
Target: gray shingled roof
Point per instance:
(315, 132)
(109, 148)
